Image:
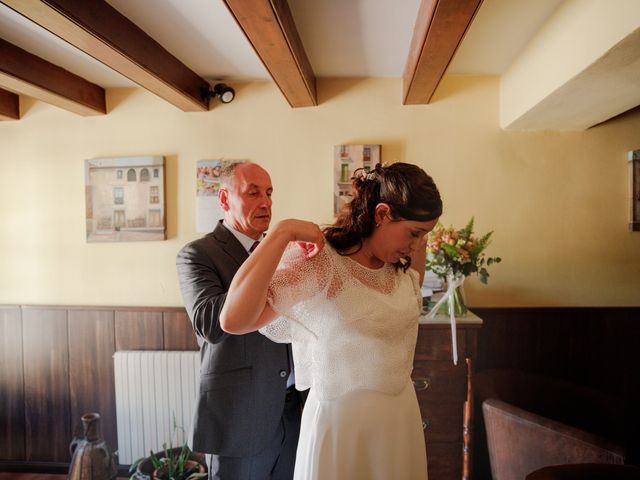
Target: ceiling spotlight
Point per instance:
(225, 93)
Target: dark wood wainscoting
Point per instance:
(56, 363)
(593, 347)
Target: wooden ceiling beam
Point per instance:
(269, 27)
(99, 30)
(439, 30)
(27, 74)
(9, 105)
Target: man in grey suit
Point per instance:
(247, 416)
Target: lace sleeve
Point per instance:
(297, 280)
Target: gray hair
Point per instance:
(228, 171)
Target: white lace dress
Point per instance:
(353, 332)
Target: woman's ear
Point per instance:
(382, 211)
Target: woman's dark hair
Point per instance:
(407, 189)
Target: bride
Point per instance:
(348, 299)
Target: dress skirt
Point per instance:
(363, 435)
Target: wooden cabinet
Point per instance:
(441, 387)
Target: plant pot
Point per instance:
(191, 466)
(146, 471)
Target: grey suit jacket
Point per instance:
(242, 377)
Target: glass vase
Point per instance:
(455, 301)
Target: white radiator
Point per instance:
(153, 388)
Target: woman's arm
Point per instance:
(245, 309)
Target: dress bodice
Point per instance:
(350, 327)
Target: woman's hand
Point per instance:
(245, 308)
(419, 256)
(307, 234)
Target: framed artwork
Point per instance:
(346, 160)
(208, 210)
(634, 190)
(125, 199)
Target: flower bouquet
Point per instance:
(453, 255)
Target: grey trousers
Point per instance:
(276, 462)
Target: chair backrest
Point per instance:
(554, 398)
(521, 442)
(586, 471)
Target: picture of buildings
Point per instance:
(125, 199)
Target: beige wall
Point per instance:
(557, 201)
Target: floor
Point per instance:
(30, 476)
(36, 476)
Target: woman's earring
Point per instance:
(377, 224)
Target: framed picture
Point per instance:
(125, 199)
(346, 160)
(208, 210)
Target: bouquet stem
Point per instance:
(448, 302)
(455, 302)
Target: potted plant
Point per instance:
(178, 463)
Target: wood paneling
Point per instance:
(178, 332)
(594, 347)
(589, 346)
(91, 380)
(12, 434)
(139, 330)
(46, 380)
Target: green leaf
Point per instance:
(135, 464)
(468, 230)
(451, 250)
(155, 461)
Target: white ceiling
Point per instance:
(518, 40)
(342, 38)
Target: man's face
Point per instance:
(247, 203)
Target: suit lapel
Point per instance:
(229, 243)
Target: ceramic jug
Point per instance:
(91, 457)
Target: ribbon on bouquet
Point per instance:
(453, 282)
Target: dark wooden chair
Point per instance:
(533, 421)
(586, 471)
